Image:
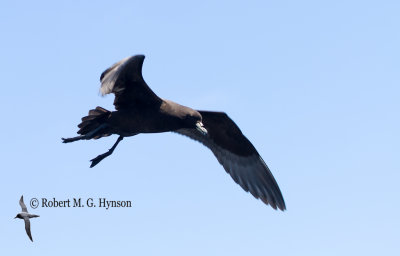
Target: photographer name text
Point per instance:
(100, 202)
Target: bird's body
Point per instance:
(24, 215)
(129, 122)
(140, 110)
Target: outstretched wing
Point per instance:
(28, 228)
(125, 80)
(22, 204)
(238, 157)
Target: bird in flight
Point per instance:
(26, 216)
(140, 110)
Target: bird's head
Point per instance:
(194, 120)
(18, 216)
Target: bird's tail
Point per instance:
(93, 125)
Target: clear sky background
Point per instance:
(314, 85)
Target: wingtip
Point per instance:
(110, 76)
(281, 207)
(275, 206)
(140, 59)
(140, 56)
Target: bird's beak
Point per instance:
(200, 128)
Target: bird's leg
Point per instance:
(87, 136)
(98, 158)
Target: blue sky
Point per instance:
(313, 84)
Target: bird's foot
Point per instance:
(98, 159)
(67, 140)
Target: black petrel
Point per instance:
(140, 110)
(26, 216)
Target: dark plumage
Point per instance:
(140, 110)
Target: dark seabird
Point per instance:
(140, 110)
(26, 216)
